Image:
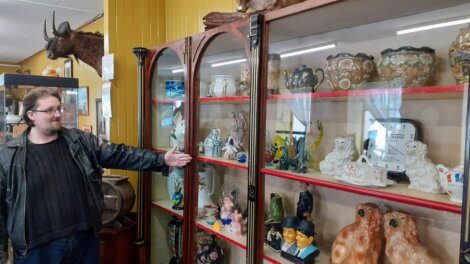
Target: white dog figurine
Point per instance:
(420, 170)
(344, 152)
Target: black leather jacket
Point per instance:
(91, 156)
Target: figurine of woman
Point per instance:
(227, 210)
(242, 125)
(234, 128)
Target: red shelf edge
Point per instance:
(224, 98)
(167, 100)
(219, 162)
(159, 150)
(375, 91)
(167, 211)
(456, 209)
(271, 260)
(210, 230)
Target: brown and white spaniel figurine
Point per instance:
(361, 241)
(403, 245)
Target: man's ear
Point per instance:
(30, 115)
(310, 240)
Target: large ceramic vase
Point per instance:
(206, 189)
(407, 66)
(175, 178)
(459, 55)
(345, 71)
(175, 240)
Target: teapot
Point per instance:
(303, 79)
(452, 181)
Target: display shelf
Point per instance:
(275, 258)
(167, 101)
(398, 192)
(165, 206)
(223, 99)
(223, 162)
(416, 93)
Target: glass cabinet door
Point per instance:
(365, 123)
(168, 95)
(222, 88)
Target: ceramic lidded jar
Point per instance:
(274, 73)
(459, 55)
(345, 71)
(407, 66)
(223, 85)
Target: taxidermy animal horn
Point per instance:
(54, 30)
(46, 38)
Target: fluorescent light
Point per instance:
(10, 65)
(433, 26)
(228, 62)
(177, 70)
(290, 54)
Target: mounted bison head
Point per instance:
(84, 46)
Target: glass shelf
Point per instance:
(165, 205)
(223, 162)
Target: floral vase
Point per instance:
(459, 55)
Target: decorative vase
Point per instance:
(223, 85)
(276, 209)
(345, 71)
(175, 240)
(176, 178)
(206, 185)
(407, 66)
(459, 55)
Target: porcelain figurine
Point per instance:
(361, 241)
(242, 126)
(211, 213)
(177, 133)
(177, 198)
(245, 79)
(234, 128)
(230, 150)
(212, 145)
(227, 210)
(403, 245)
(273, 225)
(274, 73)
(223, 85)
(305, 203)
(237, 226)
(452, 181)
(346, 71)
(274, 239)
(206, 186)
(284, 161)
(407, 66)
(420, 170)
(289, 243)
(459, 55)
(176, 177)
(344, 152)
(303, 79)
(306, 250)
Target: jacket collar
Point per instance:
(20, 141)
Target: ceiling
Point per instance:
(22, 22)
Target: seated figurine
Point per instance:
(306, 252)
(237, 226)
(177, 198)
(289, 244)
(227, 210)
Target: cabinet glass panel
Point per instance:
(168, 93)
(360, 111)
(222, 133)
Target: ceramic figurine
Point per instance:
(242, 157)
(420, 170)
(227, 210)
(452, 181)
(284, 161)
(245, 79)
(223, 85)
(279, 143)
(289, 244)
(230, 150)
(346, 71)
(274, 239)
(234, 128)
(175, 178)
(237, 226)
(306, 251)
(459, 55)
(407, 66)
(305, 203)
(403, 245)
(242, 126)
(344, 152)
(177, 198)
(211, 212)
(206, 186)
(303, 79)
(212, 144)
(177, 134)
(361, 241)
(274, 73)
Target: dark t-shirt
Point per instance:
(56, 199)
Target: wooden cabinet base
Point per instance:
(117, 245)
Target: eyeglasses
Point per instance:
(51, 110)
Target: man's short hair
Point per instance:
(31, 98)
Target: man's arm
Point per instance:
(3, 218)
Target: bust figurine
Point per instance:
(289, 243)
(305, 203)
(227, 210)
(306, 252)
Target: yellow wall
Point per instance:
(85, 74)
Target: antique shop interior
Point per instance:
(321, 131)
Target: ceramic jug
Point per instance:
(452, 181)
(304, 79)
(206, 185)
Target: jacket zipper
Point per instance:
(24, 204)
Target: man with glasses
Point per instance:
(50, 185)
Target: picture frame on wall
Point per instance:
(100, 120)
(68, 68)
(82, 99)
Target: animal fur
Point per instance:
(422, 173)
(403, 245)
(361, 241)
(84, 46)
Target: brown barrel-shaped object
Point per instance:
(119, 197)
